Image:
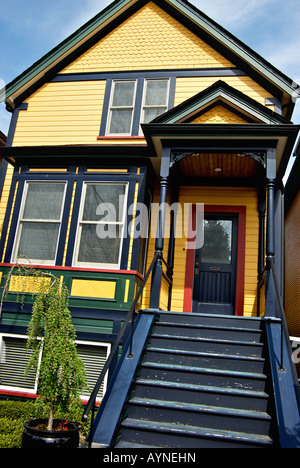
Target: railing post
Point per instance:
(270, 299)
(159, 243)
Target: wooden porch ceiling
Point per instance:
(218, 165)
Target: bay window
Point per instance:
(101, 225)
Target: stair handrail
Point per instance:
(130, 317)
(284, 326)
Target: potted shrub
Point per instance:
(61, 374)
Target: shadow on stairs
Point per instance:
(198, 381)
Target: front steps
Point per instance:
(203, 382)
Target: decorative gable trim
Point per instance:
(221, 93)
(48, 66)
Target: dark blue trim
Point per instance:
(194, 72)
(7, 216)
(286, 389)
(13, 123)
(105, 107)
(111, 407)
(128, 219)
(74, 221)
(64, 223)
(3, 170)
(137, 107)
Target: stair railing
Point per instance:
(91, 405)
(284, 327)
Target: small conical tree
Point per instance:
(51, 339)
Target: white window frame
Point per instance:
(36, 261)
(81, 222)
(111, 107)
(13, 388)
(105, 381)
(35, 389)
(144, 106)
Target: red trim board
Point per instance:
(241, 249)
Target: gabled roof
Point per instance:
(240, 54)
(221, 93)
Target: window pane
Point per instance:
(109, 197)
(13, 361)
(93, 358)
(217, 241)
(38, 241)
(120, 121)
(44, 201)
(150, 113)
(156, 93)
(123, 93)
(94, 249)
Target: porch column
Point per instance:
(270, 234)
(159, 243)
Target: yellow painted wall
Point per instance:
(219, 114)
(149, 39)
(62, 113)
(187, 87)
(222, 196)
(292, 267)
(70, 112)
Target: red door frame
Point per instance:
(241, 249)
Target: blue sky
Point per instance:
(30, 28)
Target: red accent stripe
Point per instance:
(240, 267)
(95, 270)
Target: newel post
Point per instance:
(270, 231)
(159, 243)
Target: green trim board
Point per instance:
(121, 284)
(49, 65)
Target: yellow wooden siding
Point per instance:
(292, 267)
(62, 113)
(233, 196)
(188, 86)
(149, 39)
(219, 114)
(5, 194)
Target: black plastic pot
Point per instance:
(37, 438)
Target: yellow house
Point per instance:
(151, 138)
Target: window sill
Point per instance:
(118, 137)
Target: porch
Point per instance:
(191, 341)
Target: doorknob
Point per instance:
(196, 268)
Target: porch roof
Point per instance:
(222, 138)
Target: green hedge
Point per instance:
(14, 413)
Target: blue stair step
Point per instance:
(211, 360)
(251, 335)
(191, 414)
(243, 348)
(202, 394)
(167, 435)
(203, 376)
